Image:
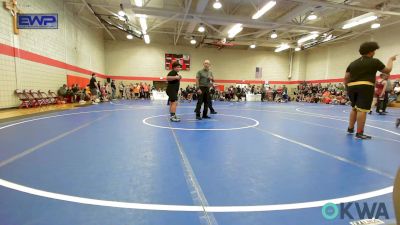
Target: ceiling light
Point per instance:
(193, 41)
(312, 16)
(121, 13)
(253, 46)
(201, 28)
(143, 24)
(237, 28)
(282, 47)
(146, 39)
(375, 25)
(274, 35)
(139, 3)
(359, 22)
(368, 17)
(328, 38)
(264, 9)
(307, 38)
(217, 4)
(129, 36)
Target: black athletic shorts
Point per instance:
(172, 94)
(361, 96)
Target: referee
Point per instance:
(360, 81)
(94, 88)
(204, 79)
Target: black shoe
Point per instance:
(397, 123)
(370, 113)
(381, 113)
(213, 112)
(198, 117)
(206, 117)
(362, 136)
(350, 130)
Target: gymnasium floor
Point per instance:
(253, 163)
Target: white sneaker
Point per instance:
(95, 103)
(175, 119)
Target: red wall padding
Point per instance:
(82, 82)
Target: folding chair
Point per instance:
(55, 97)
(45, 97)
(52, 99)
(25, 102)
(32, 100)
(40, 101)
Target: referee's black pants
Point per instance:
(385, 101)
(204, 97)
(382, 103)
(210, 106)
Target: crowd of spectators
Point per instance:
(104, 93)
(317, 93)
(239, 93)
(335, 93)
(135, 91)
(304, 92)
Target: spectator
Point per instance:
(136, 91)
(62, 92)
(94, 88)
(263, 92)
(397, 88)
(98, 89)
(381, 94)
(113, 89)
(146, 91)
(238, 93)
(108, 91)
(75, 90)
(121, 89)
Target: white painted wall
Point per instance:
(299, 66)
(73, 43)
(132, 58)
(331, 61)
